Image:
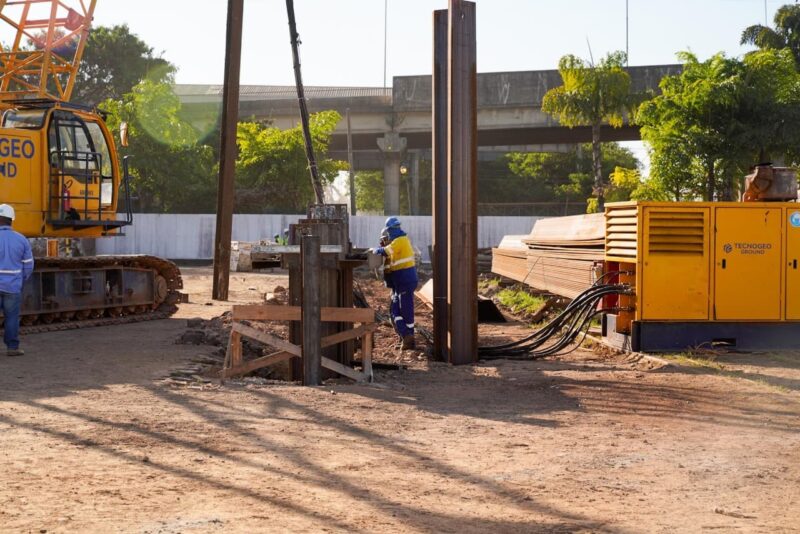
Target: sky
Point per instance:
(343, 40)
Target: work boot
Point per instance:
(15, 352)
(408, 342)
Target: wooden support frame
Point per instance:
(236, 366)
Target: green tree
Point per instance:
(171, 171)
(717, 118)
(369, 191)
(114, 62)
(272, 169)
(563, 177)
(785, 35)
(591, 96)
(629, 184)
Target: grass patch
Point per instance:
(712, 366)
(690, 360)
(519, 301)
(487, 285)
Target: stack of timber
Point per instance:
(558, 256)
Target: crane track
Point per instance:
(164, 307)
(92, 323)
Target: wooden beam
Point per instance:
(343, 370)
(347, 335)
(228, 151)
(253, 365)
(261, 312)
(267, 339)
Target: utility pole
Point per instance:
(627, 36)
(228, 151)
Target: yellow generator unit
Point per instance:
(703, 274)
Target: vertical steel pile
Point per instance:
(330, 223)
(441, 323)
(455, 200)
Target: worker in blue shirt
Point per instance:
(16, 266)
(400, 273)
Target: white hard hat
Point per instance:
(7, 212)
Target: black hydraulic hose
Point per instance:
(585, 297)
(563, 329)
(534, 349)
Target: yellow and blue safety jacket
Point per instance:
(401, 264)
(16, 260)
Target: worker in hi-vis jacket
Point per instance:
(400, 274)
(16, 266)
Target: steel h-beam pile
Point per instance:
(455, 207)
(558, 255)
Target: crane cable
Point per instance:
(301, 97)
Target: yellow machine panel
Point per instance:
(747, 266)
(18, 163)
(675, 263)
(793, 264)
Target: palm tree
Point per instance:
(591, 96)
(786, 33)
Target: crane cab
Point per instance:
(59, 169)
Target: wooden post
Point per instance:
(462, 127)
(228, 151)
(311, 261)
(366, 355)
(236, 349)
(441, 317)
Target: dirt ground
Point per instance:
(91, 440)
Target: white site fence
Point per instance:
(191, 237)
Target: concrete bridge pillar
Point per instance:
(393, 147)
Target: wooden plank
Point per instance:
(253, 365)
(341, 337)
(348, 315)
(262, 312)
(294, 249)
(267, 339)
(343, 370)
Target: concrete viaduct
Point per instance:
(393, 125)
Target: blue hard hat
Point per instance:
(392, 222)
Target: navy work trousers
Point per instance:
(402, 310)
(10, 304)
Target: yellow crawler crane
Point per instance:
(60, 170)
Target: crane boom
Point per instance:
(43, 59)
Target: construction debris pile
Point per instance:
(560, 255)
